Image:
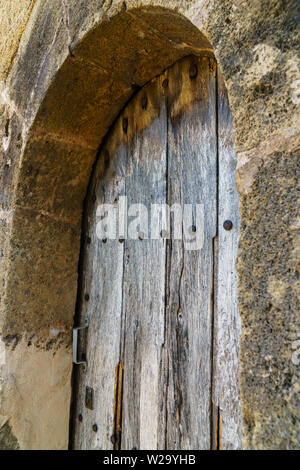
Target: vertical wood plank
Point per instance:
(103, 276)
(154, 306)
(144, 274)
(227, 320)
(192, 177)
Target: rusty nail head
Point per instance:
(193, 71)
(228, 225)
(95, 427)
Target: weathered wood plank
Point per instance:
(103, 276)
(155, 305)
(192, 176)
(144, 274)
(227, 320)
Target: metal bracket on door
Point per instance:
(75, 340)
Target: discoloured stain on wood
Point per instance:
(163, 338)
(144, 275)
(192, 173)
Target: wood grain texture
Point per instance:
(192, 180)
(103, 277)
(144, 276)
(227, 320)
(162, 345)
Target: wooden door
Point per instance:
(163, 336)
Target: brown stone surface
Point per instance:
(14, 16)
(41, 288)
(64, 81)
(257, 45)
(7, 439)
(250, 161)
(54, 177)
(12, 140)
(269, 304)
(36, 402)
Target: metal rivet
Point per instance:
(80, 417)
(125, 125)
(141, 236)
(144, 102)
(86, 297)
(228, 225)
(95, 427)
(165, 83)
(193, 71)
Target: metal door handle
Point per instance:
(75, 340)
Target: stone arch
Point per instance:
(75, 69)
(96, 79)
(93, 84)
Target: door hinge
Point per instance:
(75, 341)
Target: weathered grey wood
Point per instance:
(103, 276)
(144, 275)
(227, 320)
(157, 308)
(192, 179)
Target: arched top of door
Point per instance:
(60, 97)
(100, 72)
(104, 69)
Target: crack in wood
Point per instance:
(118, 399)
(161, 309)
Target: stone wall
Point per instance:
(62, 61)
